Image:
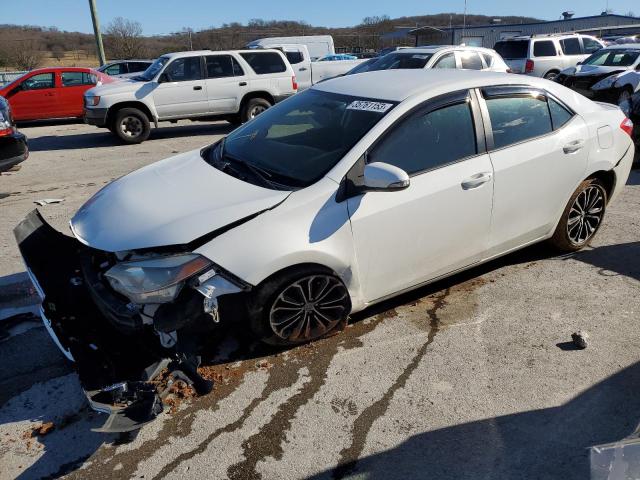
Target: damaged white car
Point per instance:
(335, 199)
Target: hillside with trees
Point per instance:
(27, 47)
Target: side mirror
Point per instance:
(379, 176)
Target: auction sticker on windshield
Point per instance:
(369, 106)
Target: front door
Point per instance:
(441, 222)
(181, 89)
(34, 98)
(539, 154)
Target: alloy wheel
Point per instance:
(131, 126)
(309, 307)
(586, 214)
(256, 110)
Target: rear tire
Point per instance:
(131, 125)
(582, 217)
(299, 305)
(551, 75)
(253, 108)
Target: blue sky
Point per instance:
(164, 16)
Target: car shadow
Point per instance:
(613, 260)
(546, 443)
(103, 138)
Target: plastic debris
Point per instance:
(580, 339)
(48, 201)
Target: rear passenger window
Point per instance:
(570, 46)
(265, 62)
(74, 79)
(471, 61)
(219, 66)
(488, 59)
(518, 118)
(544, 48)
(559, 114)
(294, 57)
(446, 61)
(429, 140)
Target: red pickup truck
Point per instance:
(51, 92)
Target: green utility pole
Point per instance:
(96, 31)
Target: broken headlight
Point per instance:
(156, 280)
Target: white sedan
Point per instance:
(344, 195)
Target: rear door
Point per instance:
(34, 97)
(73, 84)
(538, 149)
(226, 81)
(181, 90)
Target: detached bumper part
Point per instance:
(116, 366)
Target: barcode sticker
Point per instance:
(369, 106)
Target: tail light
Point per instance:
(627, 126)
(528, 66)
(294, 83)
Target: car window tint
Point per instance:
(559, 114)
(427, 141)
(488, 59)
(74, 79)
(512, 49)
(138, 66)
(265, 62)
(114, 69)
(471, 61)
(516, 119)
(219, 66)
(237, 69)
(184, 69)
(294, 57)
(590, 45)
(38, 82)
(570, 46)
(544, 48)
(446, 61)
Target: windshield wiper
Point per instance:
(261, 173)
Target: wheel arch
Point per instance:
(608, 178)
(113, 110)
(256, 94)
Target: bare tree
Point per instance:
(123, 39)
(57, 52)
(26, 54)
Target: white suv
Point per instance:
(546, 55)
(232, 85)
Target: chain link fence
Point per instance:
(6, 77)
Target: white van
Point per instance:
(318, 45)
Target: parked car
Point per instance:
(47, 93)
(460, 57)
(628, 39)
(336, 57)
(317, 45)
(309, 72)
(125, 68)
(340, 197)
(605, 74)
(234, 85)
(631, 108)
(387, 50)
(13, 144)
(546, 55)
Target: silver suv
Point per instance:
(546, 55)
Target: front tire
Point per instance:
(253, 108)
(582, 216)
(131, 125)
(298, 306)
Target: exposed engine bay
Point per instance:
(121, 335)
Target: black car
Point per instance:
(13, 144)
(631, 109)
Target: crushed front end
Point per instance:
(121, 348)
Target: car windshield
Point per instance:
(397, 60)
(618, 57)
(151, 72)
(295, 143)
(512, 49)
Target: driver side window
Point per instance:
(429, 140)
(184, 69)
(38, 82)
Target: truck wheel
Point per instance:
(253, 108)
(131, 125)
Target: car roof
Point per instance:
(398, 85)
(438, 48)
(623, 46)
(196, 53)
(61, 69)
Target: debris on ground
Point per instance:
(48, 201)
(580, 339)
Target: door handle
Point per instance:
(197, 87)
(302, 69)
(476, 180)
(573, 147)
(243, 84)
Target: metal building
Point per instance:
(488, 35)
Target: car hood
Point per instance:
(589, 70)
(122, 85)
(171, 202)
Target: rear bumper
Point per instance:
(115, 370)
(96, 116)
(13, 150)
